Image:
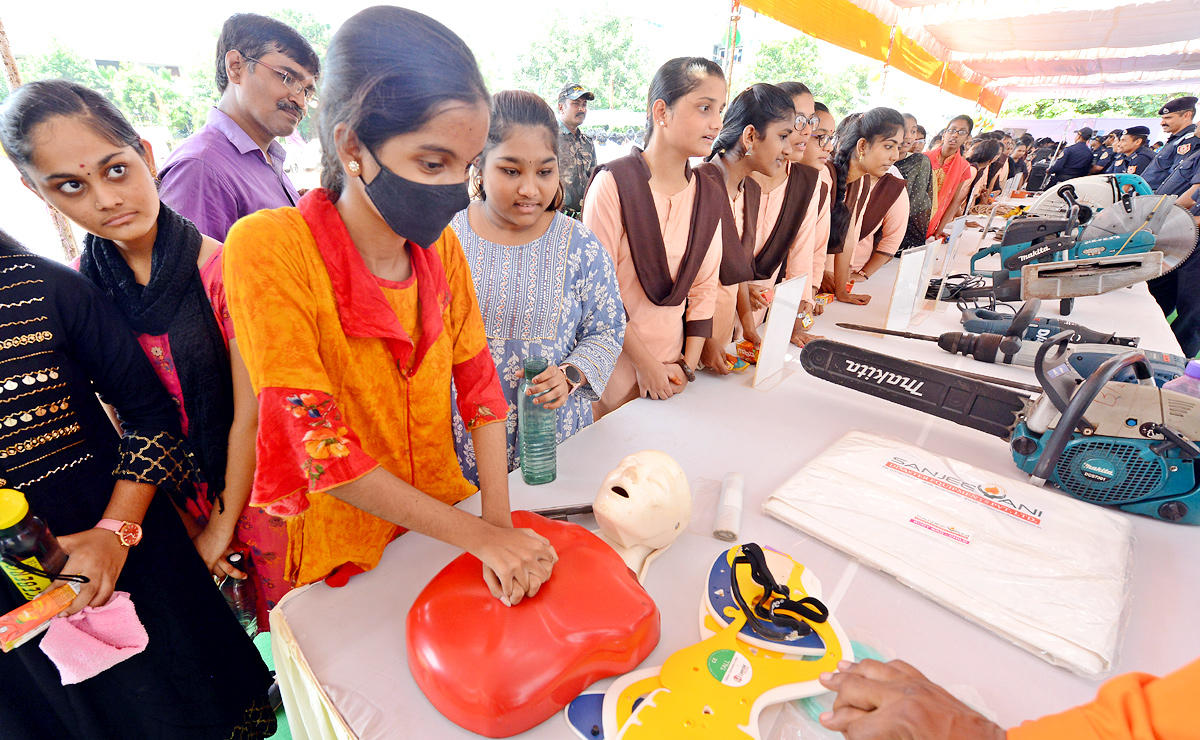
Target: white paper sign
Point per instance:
(908, 288)
(781, 319)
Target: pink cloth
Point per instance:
(94, 639)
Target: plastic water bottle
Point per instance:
(239, 594)
(536, 427)
(1188, 383)
(29, 552)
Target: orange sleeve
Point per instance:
(304, 445)
(1135, 706)
(479, 395)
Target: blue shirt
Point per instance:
(1136, 163)
(1103, 158)
(1076, 161)
(556, 297)
(1170, 156)
(1183, 175)
(218, 174)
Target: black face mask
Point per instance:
(415, 211)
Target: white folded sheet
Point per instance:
(1035, 566)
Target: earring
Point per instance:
(749, 150)
(662, 123)
(354, 167)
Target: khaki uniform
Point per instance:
(576, 160)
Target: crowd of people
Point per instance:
(307, 376)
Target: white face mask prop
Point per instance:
(642, 506)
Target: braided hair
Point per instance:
(871, 126)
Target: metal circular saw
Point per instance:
(1173, 227)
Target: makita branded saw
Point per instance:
(1137, 238)
(1128, 445)
(1094, 192)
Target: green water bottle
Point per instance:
(536, 428)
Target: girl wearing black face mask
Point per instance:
(357, 311)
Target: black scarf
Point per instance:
(175, 303)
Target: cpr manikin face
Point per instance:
(642, 506)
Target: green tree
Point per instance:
(316, 33)
(307, 25)
(59, 61)
(1134, 106)
(799, 58)
(598, 51)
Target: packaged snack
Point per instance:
(823, 299)
(26, 622)
(736, 364)
(748, 352)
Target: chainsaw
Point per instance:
(1137, 238)
(1126, 445)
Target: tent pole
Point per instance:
(13, 75)
(735, 12)
(887, 63)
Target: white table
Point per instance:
(327, 636)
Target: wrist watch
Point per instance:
(574, 377)
(128, 533)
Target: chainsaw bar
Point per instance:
(971, 403)
(1172, 226)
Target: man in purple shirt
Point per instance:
(233, 166)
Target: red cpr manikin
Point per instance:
(499, 670)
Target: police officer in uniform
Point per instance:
(1135, 156)
(1177, 118)
(576, 150)
(1173, 170)
(1075, 160)
(1104, 157)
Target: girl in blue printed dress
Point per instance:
(546, 286)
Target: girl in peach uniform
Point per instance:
(870, 214)
(667, 256)
(802, 221)
(756, 139)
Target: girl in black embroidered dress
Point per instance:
(200, 677)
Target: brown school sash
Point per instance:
(737, 252)
(856, 201)
(646, 248)
(800, 187)
(881, 198)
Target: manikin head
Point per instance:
(643, 505)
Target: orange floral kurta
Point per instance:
(352, 372)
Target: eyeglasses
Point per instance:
(803, 123)
(958, 131)
(826, 140)
(290, 82)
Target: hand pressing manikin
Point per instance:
(894, 701)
